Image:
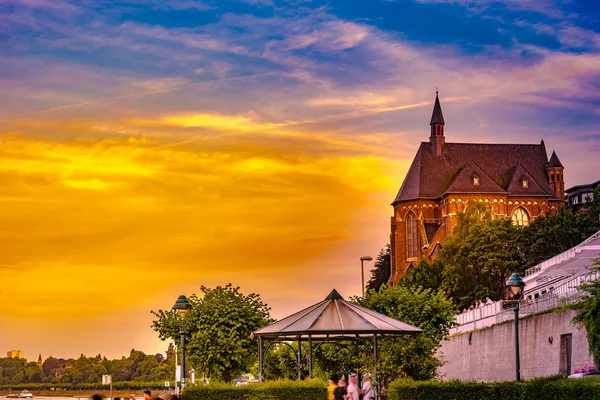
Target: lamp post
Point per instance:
(362, 270)
(182, 306)
(514, 292)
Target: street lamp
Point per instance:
(514, 293)
(182, 306)
(362, 269)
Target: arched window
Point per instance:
(411, 235)
(525, 182)
(475, 179)
(520, 217)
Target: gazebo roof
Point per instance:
(335, 318)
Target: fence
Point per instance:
(497, 312)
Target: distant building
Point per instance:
(578, 195)
(15, 354)
(40, 361)
(515, 181)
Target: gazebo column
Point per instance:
(260, 359)
(374, 379)
(299, 358)
(310, 358)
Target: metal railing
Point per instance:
(566, 293)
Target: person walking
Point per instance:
(367, 391)
(330, 389)
(340, 392)
(353, 388)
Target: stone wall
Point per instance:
(489, 354)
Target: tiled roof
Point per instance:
(515, 187)
(464, 181)
(430, 229)
(496, 164)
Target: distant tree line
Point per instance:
(137, 367)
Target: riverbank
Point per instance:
(86, 394)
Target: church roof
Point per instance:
(554, 161)
(498, 165)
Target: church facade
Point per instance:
(515, 181)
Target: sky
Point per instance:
(151, 147)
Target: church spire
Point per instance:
(437, 118)
(437, 139)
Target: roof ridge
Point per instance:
(347, 305)
(377, 315)
(494, 144)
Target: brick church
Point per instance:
(514, 180)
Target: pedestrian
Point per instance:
(96, 397)
(367, 392)
(353, 388)
(488, 301)
(330, 389)
(340, 392)
(147, 395)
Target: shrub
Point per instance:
(552, 388)
(277, 390)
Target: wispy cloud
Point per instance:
(133, 140)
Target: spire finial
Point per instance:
(436, 90)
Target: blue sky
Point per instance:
(140, 138)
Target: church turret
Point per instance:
(437, 139)
(555, 176)
(40, 362)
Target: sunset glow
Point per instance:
(149, 148)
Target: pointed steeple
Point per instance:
(437, 118)
(437, 139)
(334, 295)
(554, 161)
(556, 178)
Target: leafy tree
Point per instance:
(480, 255)
(280, 362)
(428, 275)
(430, 310)
(589, 316)
(219, 327)
(553, 234)
(380, 274)
(50, 365)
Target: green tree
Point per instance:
(50, 365)
(430, 310)
(219, 327)
(380, 274)
(589, 316)
(281, 363)
(480, 255)
(428, 275)
(553, 234)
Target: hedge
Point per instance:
(542, 388)
(86, 386)
(277, 390)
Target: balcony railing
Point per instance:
(567, 293)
